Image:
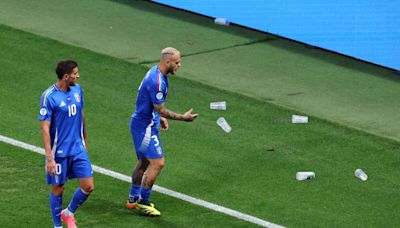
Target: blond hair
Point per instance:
(168, 52)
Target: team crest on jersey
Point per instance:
(159, 96)
(43, 111)
(77, 97)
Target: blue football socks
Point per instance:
(134, 195)
(77, 200)
(56, 207)
(145, 194)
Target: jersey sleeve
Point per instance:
(157, 92)
(46, 108)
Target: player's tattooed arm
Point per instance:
(164, 112)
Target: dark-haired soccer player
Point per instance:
(145, 122)
(62, 124)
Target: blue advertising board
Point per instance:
(364, 29)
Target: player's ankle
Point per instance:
(68, 212)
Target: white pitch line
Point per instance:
(157, 188)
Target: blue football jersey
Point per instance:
(64, 112)
(152, 90)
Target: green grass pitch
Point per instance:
(234, 170)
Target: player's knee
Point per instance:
(88, 189)
(160, 165)
(57, 190)
(157, 164)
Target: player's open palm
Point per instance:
(189, 116)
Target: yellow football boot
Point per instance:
(149, 210)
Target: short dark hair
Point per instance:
(65, 67)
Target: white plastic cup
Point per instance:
(224, 125)
(221, 21)
(360, 174)
(299, 119)
(220, 105)
(300, 176)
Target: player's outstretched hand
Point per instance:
(188, 116)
